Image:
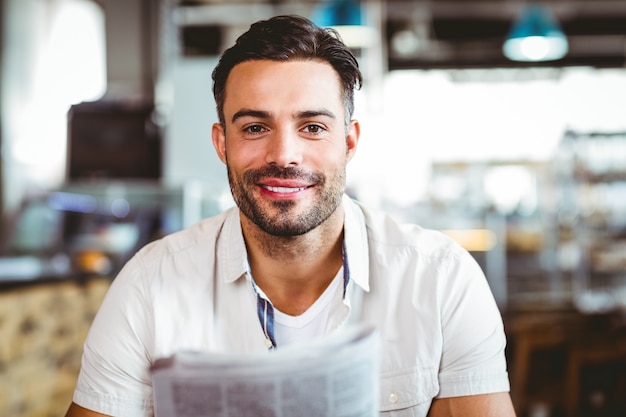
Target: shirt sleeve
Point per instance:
(114, 377)
(473, 359)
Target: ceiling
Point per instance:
(450, 33)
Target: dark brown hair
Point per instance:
(284, 38)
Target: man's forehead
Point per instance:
(263, 67)
(270, 86)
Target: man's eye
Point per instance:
(254, 129)
(313, 129)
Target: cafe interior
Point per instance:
(501, 123)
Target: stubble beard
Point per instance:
(282, 221)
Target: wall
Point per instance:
(188, 151)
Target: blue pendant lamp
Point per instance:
(535, 37)
(346, 17)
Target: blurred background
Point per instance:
(500, 122)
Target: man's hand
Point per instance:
(485, 405)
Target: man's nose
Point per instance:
(284, 148)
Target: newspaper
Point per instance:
(337, 376)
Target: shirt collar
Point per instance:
(232, 254)
(231, 248)
(356, 243)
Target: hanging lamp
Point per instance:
(535, 37)
(346, 17)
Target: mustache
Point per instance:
(289, 173)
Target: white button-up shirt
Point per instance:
(440, 330)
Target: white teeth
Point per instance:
(284, 189)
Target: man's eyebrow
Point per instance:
(250, 113)
(260, 114)
(314, 113)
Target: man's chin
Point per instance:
(284, 204)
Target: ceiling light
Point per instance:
(535, 36)
(346, 17)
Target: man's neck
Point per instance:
(294, 271)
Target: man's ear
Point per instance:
(219, 141)
(352, 138)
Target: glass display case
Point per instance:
(95, 228)
(591, 177)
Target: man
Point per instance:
(296, 259)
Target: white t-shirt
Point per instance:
(440, 330)
(312, 323)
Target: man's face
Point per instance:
(285, 143)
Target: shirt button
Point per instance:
(393, 398)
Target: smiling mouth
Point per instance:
(283, 190)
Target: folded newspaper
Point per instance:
(337, 376)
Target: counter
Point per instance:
(43, 324)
